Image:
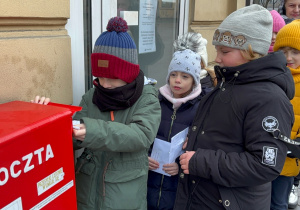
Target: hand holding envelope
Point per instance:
(79, 130)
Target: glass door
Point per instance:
(154, 25)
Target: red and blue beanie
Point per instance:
(115, 54)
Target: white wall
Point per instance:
(75, 31)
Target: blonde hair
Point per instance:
(250, 55)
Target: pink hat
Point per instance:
(278, 21)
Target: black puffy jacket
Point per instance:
(236, 157)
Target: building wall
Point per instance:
(35, 48)
(206, 16)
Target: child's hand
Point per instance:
(171, 168)
(184, 161)
(40, 100)
(153, 164)
(79, 134)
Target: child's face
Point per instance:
(274, 34)
(292, 57)
(111, 83)
(181, 84)
(292, 8)
(230, 57)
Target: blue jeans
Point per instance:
(281, 188)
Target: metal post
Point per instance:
(87, 24)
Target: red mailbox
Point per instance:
(37, 164)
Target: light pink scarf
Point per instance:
(167, 93)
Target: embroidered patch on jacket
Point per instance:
(270, 124)
(269, 156)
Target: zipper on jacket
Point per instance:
(104, 173)
(218, 69)
(173, 117)
(112, 117)
(159, 196)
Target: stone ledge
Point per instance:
(20, 24)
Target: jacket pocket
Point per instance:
(129, 187)
(291, 167)
(84, 178)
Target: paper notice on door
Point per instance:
(15, 205)
(147, 20)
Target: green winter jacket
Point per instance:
(112, 171)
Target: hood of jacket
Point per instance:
(271, 67)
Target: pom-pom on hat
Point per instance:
(193, 41)
(186, 61)
(288, 36)
(115, 54)
(249, 25)
(278, 21)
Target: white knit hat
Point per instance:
(186, 61)
(248, 25)
(193, 41)
(203, 52)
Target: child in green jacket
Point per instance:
(119, 120)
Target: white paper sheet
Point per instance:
(160, 153)
(75, 123)
(165, 152)
(176, 145)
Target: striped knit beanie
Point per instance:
(115, 54)
(288, 36)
